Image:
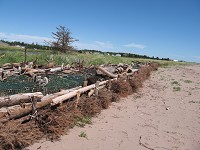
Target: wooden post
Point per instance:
(25, 53)
(33, 101)
(1, 76)
(85, 83)
(46, 72)
(109, 85)
(78, 94)
(96, 91)
(91, 93)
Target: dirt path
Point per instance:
(164, 115)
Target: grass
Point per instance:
(68, 58)
(175, 83)
(83, 134)
(188, 81)
(10, 48)
(176, 86)
(176, 89)
(166, 64)
(81, 122)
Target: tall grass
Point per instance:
(10, 48)
(89, 59)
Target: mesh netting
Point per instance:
(25, 84)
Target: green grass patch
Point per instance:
(83, 134)
(81, 122)
(175, 83)
(10, 48)
(176, 89)
(188, 81)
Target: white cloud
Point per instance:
(24, 38)
(133, 45)
(96, 45)
(198, 57)
(104, 45)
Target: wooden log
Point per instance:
(16, 64)
(19, 98)
(62, 98)
(33, 71)
(62, 92)
(67, 71)
(25, 111)
(7, 66)
(17, 112)
(111, 69)
(109, 74)
(56, 69)
(13, 109)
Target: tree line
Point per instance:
(23, 44)
(123, 54)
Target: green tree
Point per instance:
(63, 39)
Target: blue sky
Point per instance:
(163, 28)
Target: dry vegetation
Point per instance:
(53, 122)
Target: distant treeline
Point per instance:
(46, 47)
(123, 54)
(31, 46)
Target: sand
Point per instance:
(163, 115)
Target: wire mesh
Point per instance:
(24, 84)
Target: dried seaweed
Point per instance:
(89, 106)
(105, 98)
(51, 123)
(121, 87)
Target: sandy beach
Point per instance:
(163, 115)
